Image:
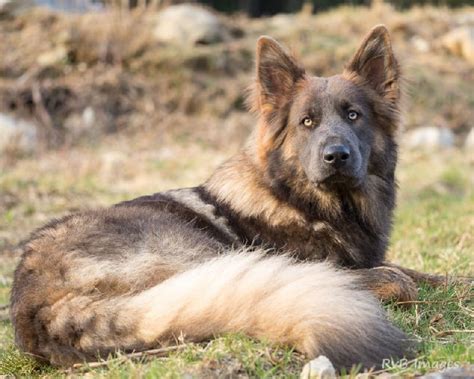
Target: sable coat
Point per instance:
(315, 183)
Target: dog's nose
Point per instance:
(336, 155)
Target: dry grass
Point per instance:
(110, 63)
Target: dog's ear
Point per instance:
(277, 73)
(375, 63)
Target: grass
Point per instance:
(433, 231)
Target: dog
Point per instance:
(285, 241)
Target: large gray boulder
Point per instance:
(188, 24)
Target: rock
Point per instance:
(13, 7)
(451, 373)
(420, 44)
(284, 21)
(469, 143)
(429, 137)
(460, 41)
(369, 375)
(190, 25)
(466, 17)
(86, 123)
(88, 116)
(17, 134)
(319, 368)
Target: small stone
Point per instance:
(429, 137)
(319, 368)
(17, 134)
(420, 44)
(469, 142)
(88, 117)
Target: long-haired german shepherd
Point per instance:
(285, 241)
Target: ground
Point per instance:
(178, 140)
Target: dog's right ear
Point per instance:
(277, 73)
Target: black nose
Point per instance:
(336, 155)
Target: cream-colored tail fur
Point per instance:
(313, 307)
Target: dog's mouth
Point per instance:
(339, 179)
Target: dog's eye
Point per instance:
(307, 122)
(352, 115)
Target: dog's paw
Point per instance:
(395, 285)
(389, 283)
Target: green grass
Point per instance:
(442, 324)
(228, 355)
(433, 231)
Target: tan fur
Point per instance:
(249, 294)
(226, 184)
(259, 201)
(264, 142)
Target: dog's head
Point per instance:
(328, 132)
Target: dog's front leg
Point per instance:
(430, 279)
(420, 277)
(393, 282)
(388, 283)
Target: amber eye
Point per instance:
(352, 115)
(307, 122)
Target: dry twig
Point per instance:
(162, 352)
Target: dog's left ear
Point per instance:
(375, 63)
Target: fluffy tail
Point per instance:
(311, 306)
